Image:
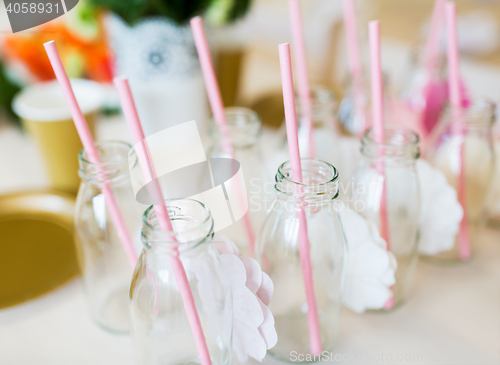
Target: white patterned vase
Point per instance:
(159, 58)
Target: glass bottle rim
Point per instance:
(398, 141)
(111, 165)
(320, 96)
(153, 235)
(234, 121)
(319, 93)
(287, 164)
(417, 55)
(101, 145)
(243, 127)
(479, 114)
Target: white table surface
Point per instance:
(452, 314)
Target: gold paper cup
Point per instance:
(37, 252)
(46, 116)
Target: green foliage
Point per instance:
(223, 11)
(180, 11)
(8, 90)
(239, 9)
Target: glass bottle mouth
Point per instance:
(480, 114)
(323, 103)
(243, 126)
(114, 165)
(417, 60)
(319, 181)
(399, 143)
(193, 225)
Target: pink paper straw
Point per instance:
(464, 248)
(352, 40)
(300, 56)
(453, 59)
(378, 125)
(354, 56)
(432, 47)
(132, 117)
(217, 106)
(432, 91)
(211, 85)
(90, 148)
(293, 148)
(376, 82)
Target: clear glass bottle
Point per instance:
(244, 130)
(494, 206)
(277, 251)
(325, 135)
(160, 330)
(424, 92)
(397, 157)
(105, 269)
(478, 164)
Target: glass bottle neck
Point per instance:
(323, 105)
(436, 65)
(243, 127)
(319, 182)
(399, 146)
(192, 222)
(479, 116)
(113, 166)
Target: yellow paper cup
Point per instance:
(46, 116)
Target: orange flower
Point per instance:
(82, 57)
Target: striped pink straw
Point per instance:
(378, 125)
(90, 148)
(132, 117)
(217, 106)
(293, 148)
(300, 56)
(454, 84)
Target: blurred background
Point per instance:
(153, 47)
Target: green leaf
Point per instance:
(132, 11)
(8, 91)
(225, 11)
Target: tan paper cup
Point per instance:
(46, 116)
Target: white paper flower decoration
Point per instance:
(253, 322)
(441, 212)
(371, 267)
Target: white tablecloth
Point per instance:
(452, 317)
